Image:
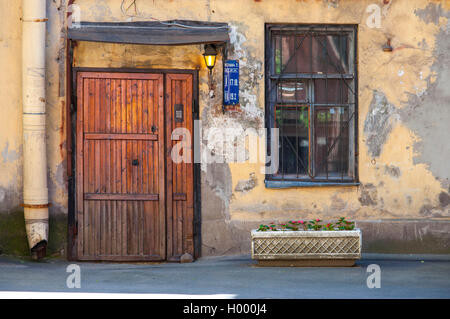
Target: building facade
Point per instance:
(358, 91)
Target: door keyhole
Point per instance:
(135, 162)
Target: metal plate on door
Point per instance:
(179, 116)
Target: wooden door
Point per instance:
(120, 163)
(180, 194)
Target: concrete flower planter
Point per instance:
(306, 248)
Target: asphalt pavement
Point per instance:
(401, 276)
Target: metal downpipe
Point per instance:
(35, 192)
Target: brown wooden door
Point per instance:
(180, 194)
(120, 186)
(132, 201)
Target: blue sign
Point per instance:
(231, 82)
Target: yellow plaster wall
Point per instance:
(398, 75)
(10, 97)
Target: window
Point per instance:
(311, 98)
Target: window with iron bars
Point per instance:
(311, 97)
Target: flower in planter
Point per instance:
(302, 222)
(328, 226)
(315, 224)
(344, 224)
(292, 225)
(263, 228)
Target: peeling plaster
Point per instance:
(428, 114)
(9, 155)
(100, 10)
(251, 114)
(432, 13)
(10, 199)
(331, 3)
(444, 199)
(392, 170)
(378, 123)
(250, 72)
(218, 178)
(368, 195)
(246, 184)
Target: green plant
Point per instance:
(263, 228)
(315, 224)
(297, 224)
(344, 224)
(341, 224)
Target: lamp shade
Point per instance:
(210, 55)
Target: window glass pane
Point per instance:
(292, 53)
(292, 91)
(311, 53)
(330, 54)
(277, 54)
(293, 124)
(331, 141)
(331, 91)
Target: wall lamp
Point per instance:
(210, 55)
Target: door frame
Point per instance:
(71, 120)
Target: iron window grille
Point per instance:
(311, 97)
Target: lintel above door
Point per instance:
(174, 32)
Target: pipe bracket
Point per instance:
(34, 20)
(37, 206)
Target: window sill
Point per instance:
(289, 184)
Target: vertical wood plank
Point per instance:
(178, 213)
(91, 177)
(80, 162)
(169, 180)
(190, 172)
(124, 179)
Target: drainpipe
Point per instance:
(35, 192)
